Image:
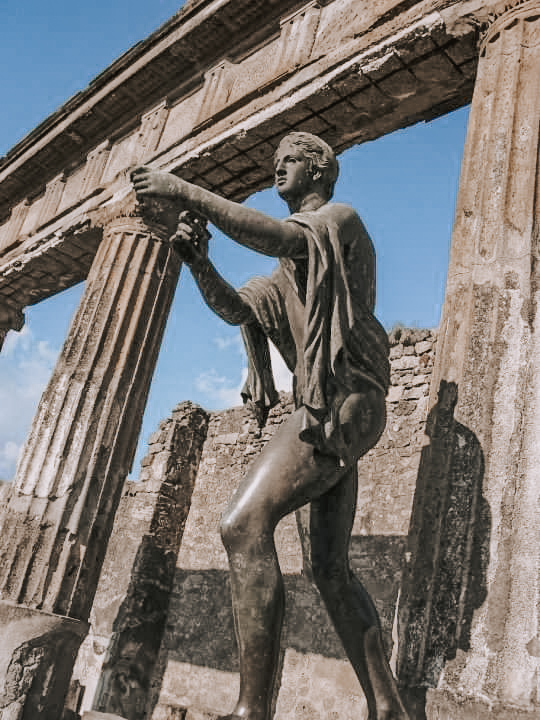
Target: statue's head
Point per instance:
(316, 165)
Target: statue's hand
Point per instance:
(191, 238)
(148, 182)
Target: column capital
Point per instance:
(157, 216)
(11, 319)
(505, 15)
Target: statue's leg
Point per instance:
(287, 475)
(349, 604)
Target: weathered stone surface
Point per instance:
(470, 600)
(388, 474)
(33, 644)
(73, 702)
(11, 318)
(446, 706)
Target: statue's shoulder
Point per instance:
(341, 216)
(340, 213)
(347, 220)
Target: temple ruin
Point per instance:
(454, 526)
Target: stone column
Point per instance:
(488, 367)
(76, 458)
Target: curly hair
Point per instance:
(320, 156)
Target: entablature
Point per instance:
(347, 70)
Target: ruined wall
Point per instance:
(197, 662)
(130, 608)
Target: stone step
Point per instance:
(95, 715)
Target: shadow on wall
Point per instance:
(203, 621)
(444, 580)
(203, 615)
(137, 633)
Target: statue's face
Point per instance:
(292, 171)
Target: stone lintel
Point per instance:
(408, 69)
(350, 95)
(444, 705)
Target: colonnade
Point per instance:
(56, 526)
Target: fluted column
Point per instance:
(486, 660)
(75, 460)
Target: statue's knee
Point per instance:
(228, 529)
(235, 531)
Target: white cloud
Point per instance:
(17, 341)
(226, 393)
(26, 364)
(233, 342)
(9, 454)
(221, 389)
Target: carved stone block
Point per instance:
(36, 658)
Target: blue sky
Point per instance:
(403, 185)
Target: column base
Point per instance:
(95, 715)
(37, 653)
(444, 705)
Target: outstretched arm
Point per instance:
(246, 226)
(191, 241)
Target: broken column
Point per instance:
(488, 367)
(76, 458)
(129, 614)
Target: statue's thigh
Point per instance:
(331, 522)
(362, 417)
(287, 474)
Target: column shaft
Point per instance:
(489, 353)
(79, 451)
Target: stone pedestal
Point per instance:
(69, 479)
(37, 653)
(470, 619)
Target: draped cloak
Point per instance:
(343, 347)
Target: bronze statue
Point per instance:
(317, 308)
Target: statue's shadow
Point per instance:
(444, 576)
